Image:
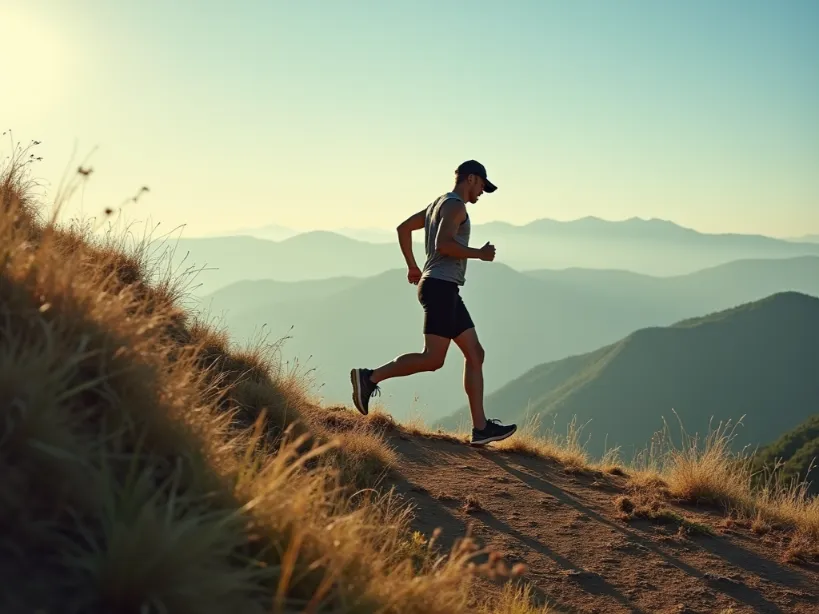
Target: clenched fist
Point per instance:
(413, 274)
(488, 252)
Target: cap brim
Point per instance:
(489, 187)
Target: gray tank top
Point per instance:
(437, 265)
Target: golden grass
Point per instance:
(531, 439)
(418, 427)
(516, 599)
(148, 466)
(710, 472)
(649, 506)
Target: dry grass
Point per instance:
(709, 471)
(418, 427)
(148, 466)
(471, 505)
(648, 506)
(532, 440)
(516, 599)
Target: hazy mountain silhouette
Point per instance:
(758, 359)
(741, 280)
(523, 320)
(241, 295)
(307, 256)
(276, 232)
(655, 247)
(806, 239)
(270, 232)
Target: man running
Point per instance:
(446, 241)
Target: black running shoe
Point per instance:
(363, 389)
(494, 431)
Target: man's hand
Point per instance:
(413, 274)
(488, 252)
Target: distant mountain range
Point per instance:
(805, 239)
(758, 359)
(276, 232)
(523, 319)
(583, 226)
(655, 247)
(220, 261)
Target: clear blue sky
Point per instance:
(322, 114)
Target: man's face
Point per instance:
(475, 186)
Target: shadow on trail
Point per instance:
(738, 591)
(590, 582)
(431, 512)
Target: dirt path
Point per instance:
(580, 556)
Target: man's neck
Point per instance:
(459, 191)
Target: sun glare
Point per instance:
(33, 61)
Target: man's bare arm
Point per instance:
(404, 230)
(453, 213)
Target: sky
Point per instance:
(323, 114)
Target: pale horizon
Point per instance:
(262, 113)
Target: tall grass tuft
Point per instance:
(709, 471)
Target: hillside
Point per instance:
(523, 319)
(798, 451)
(756, 360)
(150, 465)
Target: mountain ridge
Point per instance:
(546, 223)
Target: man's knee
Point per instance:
(435, 361)
(471, 347)
(475, 355)
(435, 349)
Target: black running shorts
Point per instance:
(445, 314)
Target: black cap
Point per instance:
(473, 167)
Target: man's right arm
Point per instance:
(453, 213)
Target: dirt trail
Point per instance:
(580, 556)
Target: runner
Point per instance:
(446, 241)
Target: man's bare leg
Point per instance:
(473, 375)
(483, 431)
(430, 359)
(365, 381)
